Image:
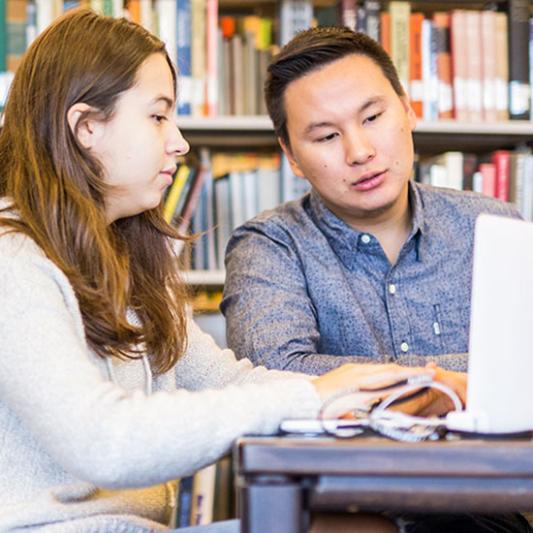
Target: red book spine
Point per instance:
(502, 162)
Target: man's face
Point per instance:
(350, 136)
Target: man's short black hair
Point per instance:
(310, 50)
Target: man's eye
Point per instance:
(326, 138)
(372, 118)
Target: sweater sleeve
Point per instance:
(97, 430)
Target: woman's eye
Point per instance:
(159, 118)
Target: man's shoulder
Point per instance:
(287, 217)
(463, 204)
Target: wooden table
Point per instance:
(279, 479)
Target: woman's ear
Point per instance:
(85, 129)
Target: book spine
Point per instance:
(183, 40)
(211, 83)
(198, 55)
(502, 67)
(502, 163)
(348, 13)
(372, 9)
(441, 25)
(519, 90)
(460, 69)
(473, 63)
(416, 85)
(166, 15)
(399, 14)
(488, 58)
(384, 34)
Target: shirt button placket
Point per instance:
(396, 318)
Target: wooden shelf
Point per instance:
(204, 277)
(238, 132)
(262, 123)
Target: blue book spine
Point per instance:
(183, 39)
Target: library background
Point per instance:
(467, 67)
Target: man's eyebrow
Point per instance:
(325, 124)
(316, 125)
(370, 102)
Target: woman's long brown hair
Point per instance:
(57, 188)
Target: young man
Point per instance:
(369, 267)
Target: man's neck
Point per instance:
(391, 227)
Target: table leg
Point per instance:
(271, 504)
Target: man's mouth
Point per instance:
(369, 180)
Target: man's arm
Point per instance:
(270, 317)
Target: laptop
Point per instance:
(500, 365)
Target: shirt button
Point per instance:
(392, 288)
(365, 239)
(404, 347)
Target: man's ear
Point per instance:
(295, 167)
(87, 130)
(411, 115)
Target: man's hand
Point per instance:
(373, 377)
(434, 402)
(368, 379)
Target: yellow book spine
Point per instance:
(175, 192)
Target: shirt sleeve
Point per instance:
(270, 318)
(97, 430)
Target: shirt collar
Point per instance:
(347, 241)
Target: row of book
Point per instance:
(219, 192)
(463, 64)
(503, 174)
(454, 64)
(207, 496)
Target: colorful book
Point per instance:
(416, 82)
(399, 17)
(441, 27)
(175, 191)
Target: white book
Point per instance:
(477, 182)
(429, 75)
(147, 15)
(222, 218)
(268, 186)
(167, 21)
(203, 496)
(526, 209)
(236, 187)
(295, 16)
(438, 176)
(454, 170)
(46, 13)
(250, 194)
(118, 8)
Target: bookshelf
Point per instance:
(253, 131)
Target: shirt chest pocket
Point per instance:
(450, 326)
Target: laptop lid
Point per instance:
(500, 365)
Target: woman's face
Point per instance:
(139, 145)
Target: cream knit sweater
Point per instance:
(83, 447)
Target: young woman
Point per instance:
(107, 389)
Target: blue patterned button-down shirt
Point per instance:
(306, 292)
